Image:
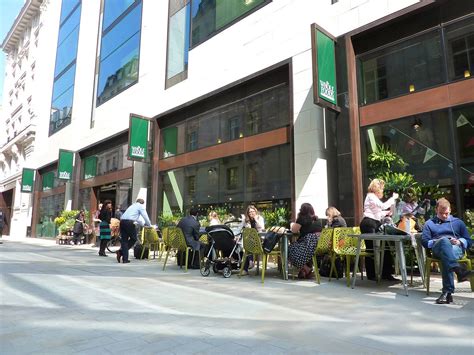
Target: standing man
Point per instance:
(127, 228)
(448, 239)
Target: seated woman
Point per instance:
(334, 218)
(214, 219)
(301, 252)
(252, 219)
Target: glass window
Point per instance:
(464, 123)
(85, 199)
(178, 42)
(65, 68)
(423, 142)
(66, 7)
(120, 51)
(258, 113)
(402, 68)
(460, 49)
(113, 159)
(221, 183)
(211, 16)
(113, 9)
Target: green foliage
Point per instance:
(469, 220)
(278, 217)
(383, 160)
(402, 183)
(67, 219)
(59, 221)
(169, 220)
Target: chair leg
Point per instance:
(186, 260)
(143, 251)
(427, 275)
(316, 270)
(242, 264)
(264, 266)
(348, 270)
(166, 259)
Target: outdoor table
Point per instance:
(378, 253)
(283, 244)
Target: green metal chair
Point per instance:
(323, 247)
(174, 240)
(253, 246)
(150, 239)
(346, 246)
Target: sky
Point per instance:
(9, 9)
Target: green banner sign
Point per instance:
(326, 84)
(65, 164)
(27, 180)
(48, 181)
(90, 167)
(138, 138)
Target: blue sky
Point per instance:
(9, 9)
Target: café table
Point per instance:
(379, 247)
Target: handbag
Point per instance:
(272, 238)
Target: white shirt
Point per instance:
(374, 208)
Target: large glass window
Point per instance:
(110, 160)
(424, 143)
(258, 113)
(464, 122)
(402, 68)
(209, 17)
(225, 182)
(65, 68)
(120, 48)
(460, 49)
(192, 22)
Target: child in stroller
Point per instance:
(221, 241)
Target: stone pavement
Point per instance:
(59, 299)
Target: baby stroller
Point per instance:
(221, 241)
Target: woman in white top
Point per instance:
(214, 219)
(374, 211)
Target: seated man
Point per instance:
(448, 238)
(190, 227)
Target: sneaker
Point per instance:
(245, 273)
(251, 265)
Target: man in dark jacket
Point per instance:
(190, 227)
(448, 239)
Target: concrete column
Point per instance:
(140, 181)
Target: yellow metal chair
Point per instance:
(150, 239)
(430, 258)
(345, 246)
(323, 247)
(174, 240)
(253, 246)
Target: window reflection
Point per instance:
(113, 9)
(112, 160)
(231, 182)
(119, 61)
(66, 7)
(460, 47)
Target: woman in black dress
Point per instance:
(301, 252)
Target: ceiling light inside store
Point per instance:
(417, 125)
(412, 88)
(467, 73)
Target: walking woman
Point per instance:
(105, 215)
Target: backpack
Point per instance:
(325, 266)
(137, 252)
(272, 238)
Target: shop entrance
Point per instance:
(107, 192)
(120, 193)
(6, 201)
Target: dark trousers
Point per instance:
(128, 237)
(77, 238)
(103, 245)
(369, 225)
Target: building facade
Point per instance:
(228, 89)
(19, 116)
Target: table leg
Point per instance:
(421, 261)
(403, 266)
(284, 256)
(378, 258)
(354, 274)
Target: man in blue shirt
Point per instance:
(448, 239)
(128, 231)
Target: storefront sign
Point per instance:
(48, 181)
(138, 138)
(324, 68)
(90, 167)
(65, 164)
(27, 180)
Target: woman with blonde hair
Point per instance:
(334, 218)
(374, 211)
(214, 219)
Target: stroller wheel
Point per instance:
(205, 271)
(227, 272)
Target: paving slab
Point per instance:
(61, 299)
